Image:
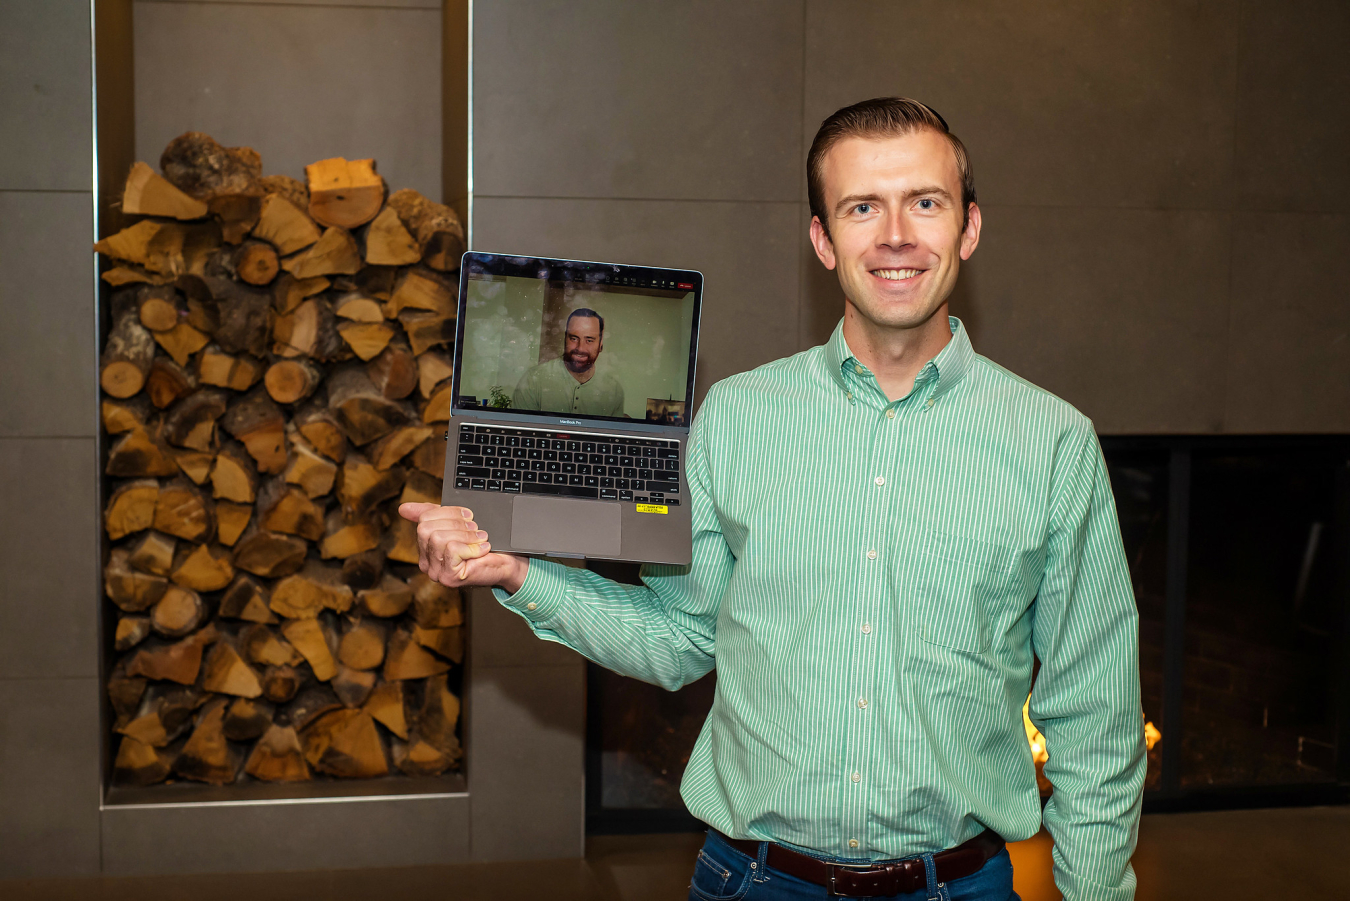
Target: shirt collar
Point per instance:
(951, 363)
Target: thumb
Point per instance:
(414, 511)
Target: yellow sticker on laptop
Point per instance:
(652, 508)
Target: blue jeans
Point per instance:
(722, 873)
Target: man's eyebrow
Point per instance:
(927, 190)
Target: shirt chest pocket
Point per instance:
(959, 583)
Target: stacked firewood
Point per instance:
(275, 383)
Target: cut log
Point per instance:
(307, 593)
(239, 373)
(422, 289)
(202, 311)
(153, 554)
(243, 315)
(164, 714)
(345, 536)
(418, 757)
(430, 455)
(311, 639)
(196, 465)
(227, 673)
(154, 245)
(389, 599)
(131, 508)
(246, 718)
(289, 381)
(376, 281)
(344, 193)
(160, 308)
(320, 428)
(361, 486)
(292, 189)
(434, 605)
(357, 307)
(362, 645)
(400, 542)
(130, 590)
(234, 476)
(306, 467)
(256, 263)
(385, 705)
(118, 276)
(237, 214)
(268, 554)
(352, 686)
(149, 194)
(366, 339)
(124, 692)
(278, 757)
(286, 509)
(335, 253)
(433, 367)
(258, 422)
(246, 599)
(181, 342)
(178, 662)
(406, 659)
(312, 703)
(207, 756)
(178, 613)
(388, 242)
(449, 643)
(140, 764)
(288, 292)
(427, 330)
(203, 568)
(439, 716)
(183, 511)
(437, 408)
(284, 225)
(345, 743)
(393, 447)
(191, 423)
(131, 631)
(127, 356)
(262, 646)
(310, 330)
(167, 382)
(421, 488)
(394, 371)
(139, 454)
(363, 570)
(280, 683)
(124, 414)
(436, 228)
(202, 168)
(231, 521)
(363, 412)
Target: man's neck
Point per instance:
(895, 356)
(583, 377)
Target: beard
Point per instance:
(578, 360)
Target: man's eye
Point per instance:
(925, 204)
(864, 208)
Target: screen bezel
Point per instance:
(585, 272)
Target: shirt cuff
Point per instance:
(542, 594)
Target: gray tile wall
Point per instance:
(1163, 184)
(49, 733)
(298, 82)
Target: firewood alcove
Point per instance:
(274, 383)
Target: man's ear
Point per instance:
(822, 243)
(970, 238)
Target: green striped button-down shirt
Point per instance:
(870, 579)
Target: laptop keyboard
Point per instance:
(538, 461)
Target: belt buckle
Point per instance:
(832, 888)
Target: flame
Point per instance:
(1036, 740)
(1151, 735)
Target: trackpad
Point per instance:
(559, 525)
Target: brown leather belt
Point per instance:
(880, 879)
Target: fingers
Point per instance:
(445, 546)
(418, 512)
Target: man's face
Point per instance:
(895, 233)
(583, 343)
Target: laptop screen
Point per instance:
(574, 339)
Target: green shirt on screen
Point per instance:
(551, 387)
(871, 579)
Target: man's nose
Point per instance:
(895, 230)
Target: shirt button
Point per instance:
(880, 480)
(867, 628)
(862, 702)
(890, 414)
(853, 843)
(850, 395)
(531, 605)
(858, 369)
(871, 555)
(857, 777)
(931, 401)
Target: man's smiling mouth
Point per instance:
(896, 275)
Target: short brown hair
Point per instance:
(883, 117)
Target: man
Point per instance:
(570, 384)
(887, 528)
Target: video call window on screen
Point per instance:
(617, 351)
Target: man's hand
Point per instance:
(452, 550)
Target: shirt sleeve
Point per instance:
(1086, 698)
(661, 631)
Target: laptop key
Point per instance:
(498, 474)
(479, 485)
(608, 494)
(606, 483)
(494, 485)
(472, 472)
(466, 460)
(461, 483)
(592, 481)
(564, 490)
(625, 495)
(577, 480)
(644, 473)
(511, 487)
(530, 476)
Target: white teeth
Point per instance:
(896, 274)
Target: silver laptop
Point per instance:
(573, 387)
